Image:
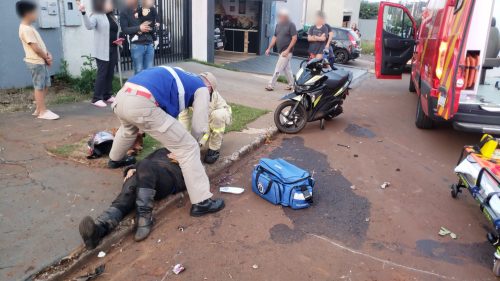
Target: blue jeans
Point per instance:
(143, 56)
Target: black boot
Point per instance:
(144, 202)
(127, 161)
(212, 156)
(92, 231)
(206, 207)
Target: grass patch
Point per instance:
(282, 79)
(213, 64)
(242, 115)
(66, 150)
(149, 145)
(368, 47)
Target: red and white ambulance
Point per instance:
(455, 62)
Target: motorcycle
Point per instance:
(320, 91)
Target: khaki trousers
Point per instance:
(218, 120)
(283, 66)
(140, 113)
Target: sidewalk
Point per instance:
(44, 198)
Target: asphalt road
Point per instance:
(355, 230)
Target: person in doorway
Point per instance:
(219, 117)
(285, 37)
(37, 57)
(317, 37)
(140, 34)
(106, 44)
(150, 102)
(153, 178)
(354, 27)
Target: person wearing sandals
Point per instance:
(285, 37)
(37, 58)
(106, 40)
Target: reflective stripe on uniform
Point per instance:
(180, 88)
(218, 130)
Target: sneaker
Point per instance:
(269, 88)
(289, 88)
(100, 103)
(111, 100)
(48, 115)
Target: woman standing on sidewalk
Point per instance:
(106, 32)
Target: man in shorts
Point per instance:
(37, 58)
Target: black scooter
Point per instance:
(320, 91)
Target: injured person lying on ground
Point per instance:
(153, 178)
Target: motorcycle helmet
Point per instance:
(100, 144)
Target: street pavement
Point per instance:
(355, 231)
(43, 198)
(266, 64)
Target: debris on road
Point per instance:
(367, 219)
(101, 254)
(180, 228)
(178, 268)
(353, 187)
(385, 185)
(232, 190)
(444, 231)
(343, 145)
(92, 275)
(255, 266)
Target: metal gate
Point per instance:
(173, 34)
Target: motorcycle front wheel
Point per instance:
(289, 122)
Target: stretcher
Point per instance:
(481, 177)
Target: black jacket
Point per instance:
(131, 26)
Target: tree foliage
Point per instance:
(368, 10)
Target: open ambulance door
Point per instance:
(395, 40)
(452, 63)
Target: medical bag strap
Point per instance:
(307, 195)
(259, 172)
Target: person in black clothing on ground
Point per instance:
(153, 178)
(106, 33)
(141, 45)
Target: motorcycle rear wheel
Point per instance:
(290, 122)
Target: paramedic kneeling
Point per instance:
(151, 101)
(219, 117)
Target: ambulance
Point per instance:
(454, 58)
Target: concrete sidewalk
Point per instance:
(43, 198)
(265, 65)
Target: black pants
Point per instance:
(103, 88)
(156, 172)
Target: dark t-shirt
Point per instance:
(284, 33)
(113, 29)
(317, 47)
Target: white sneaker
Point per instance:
(35, 113)
(111, 100)
(100, 103)
(48, 115)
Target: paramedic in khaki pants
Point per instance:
(219, 117)
(151, 101)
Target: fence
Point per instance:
(173, 34)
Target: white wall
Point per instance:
(368, 29)
(352, 7)
(296, 9)
(199, 22)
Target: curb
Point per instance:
(60, 268)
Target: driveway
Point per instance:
(266, 64)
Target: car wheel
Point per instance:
(412, 88)
(341, 56)
(422, 121)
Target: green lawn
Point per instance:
(368, 47)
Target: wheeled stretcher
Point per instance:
(481, 177)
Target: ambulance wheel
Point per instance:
(454, 191)
(322, 124)
(412, 88)
(496, 268)
(422, 121)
